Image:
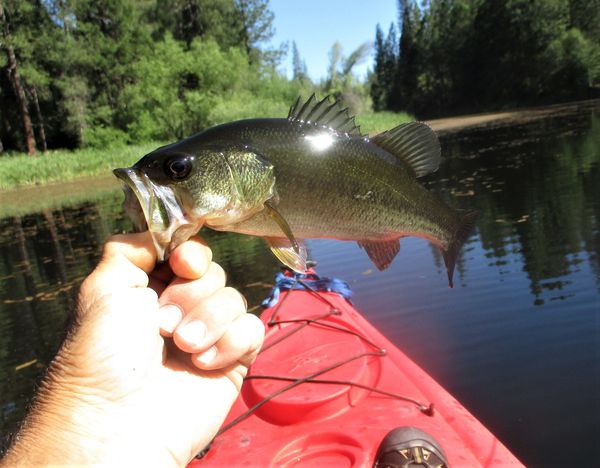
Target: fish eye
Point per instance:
(178, 167)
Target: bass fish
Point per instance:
(310, 175)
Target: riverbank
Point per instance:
(62, 165)
(515, 117)
(36, 198)
(66, 185)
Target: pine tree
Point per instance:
(14, 75)
(299, 71)
(408, 56)
(383, 86)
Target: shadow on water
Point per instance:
(515, 340)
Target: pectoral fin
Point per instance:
(381, 253)
(282, 223)
(293, 257)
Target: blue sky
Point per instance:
(316, 24)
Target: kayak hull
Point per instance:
(340, 387)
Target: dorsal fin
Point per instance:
(415, 143)
(326, 113)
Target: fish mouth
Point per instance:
(156, 208)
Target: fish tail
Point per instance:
(450, 254)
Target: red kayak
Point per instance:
(328, 388)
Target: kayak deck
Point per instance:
(326, 389)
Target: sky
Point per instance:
(316, 24)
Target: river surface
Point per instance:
(517, 340)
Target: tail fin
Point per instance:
(466, 226)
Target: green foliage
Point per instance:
(339, 71)
(574, 62)
(472, 55)
(299, 71)
(113, 71)
(386, 69)
(270, 96)
(175, 89)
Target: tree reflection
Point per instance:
(537, 195)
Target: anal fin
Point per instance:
(292, 256)
(381, 253)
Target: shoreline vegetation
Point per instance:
(55, 166)
(94, 74)
(19, 170)
(77, 181)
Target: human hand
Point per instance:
(120, 392)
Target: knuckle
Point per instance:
(112, 245)
(217, 272)
(257, 330)
(235, 297)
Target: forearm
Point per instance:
(66, 426)
(54, 433)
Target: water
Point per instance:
(517, 340)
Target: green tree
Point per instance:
(465, 55)
(256, 26)
(13, 22)
(408, 56)
(299, 71)
(176, 88)
(383, 82)
(109, 36)
(585, 16)
(573, 64)
(187, 20)
(507, 50)
(339, 71)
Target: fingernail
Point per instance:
(169, 317)
(192, 333)
(207, 356)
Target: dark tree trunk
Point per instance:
(40, 119)
(15, 79)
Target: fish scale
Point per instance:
(294, 178)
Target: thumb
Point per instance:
(126, 261)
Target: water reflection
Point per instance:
(538, 196)
(537, 248)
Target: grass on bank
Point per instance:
(377, 122)
(62, 165)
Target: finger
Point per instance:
(137, 248)
(209, 320)
(182, 296)
(160, 277)
(240, 344)
(191, 259)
